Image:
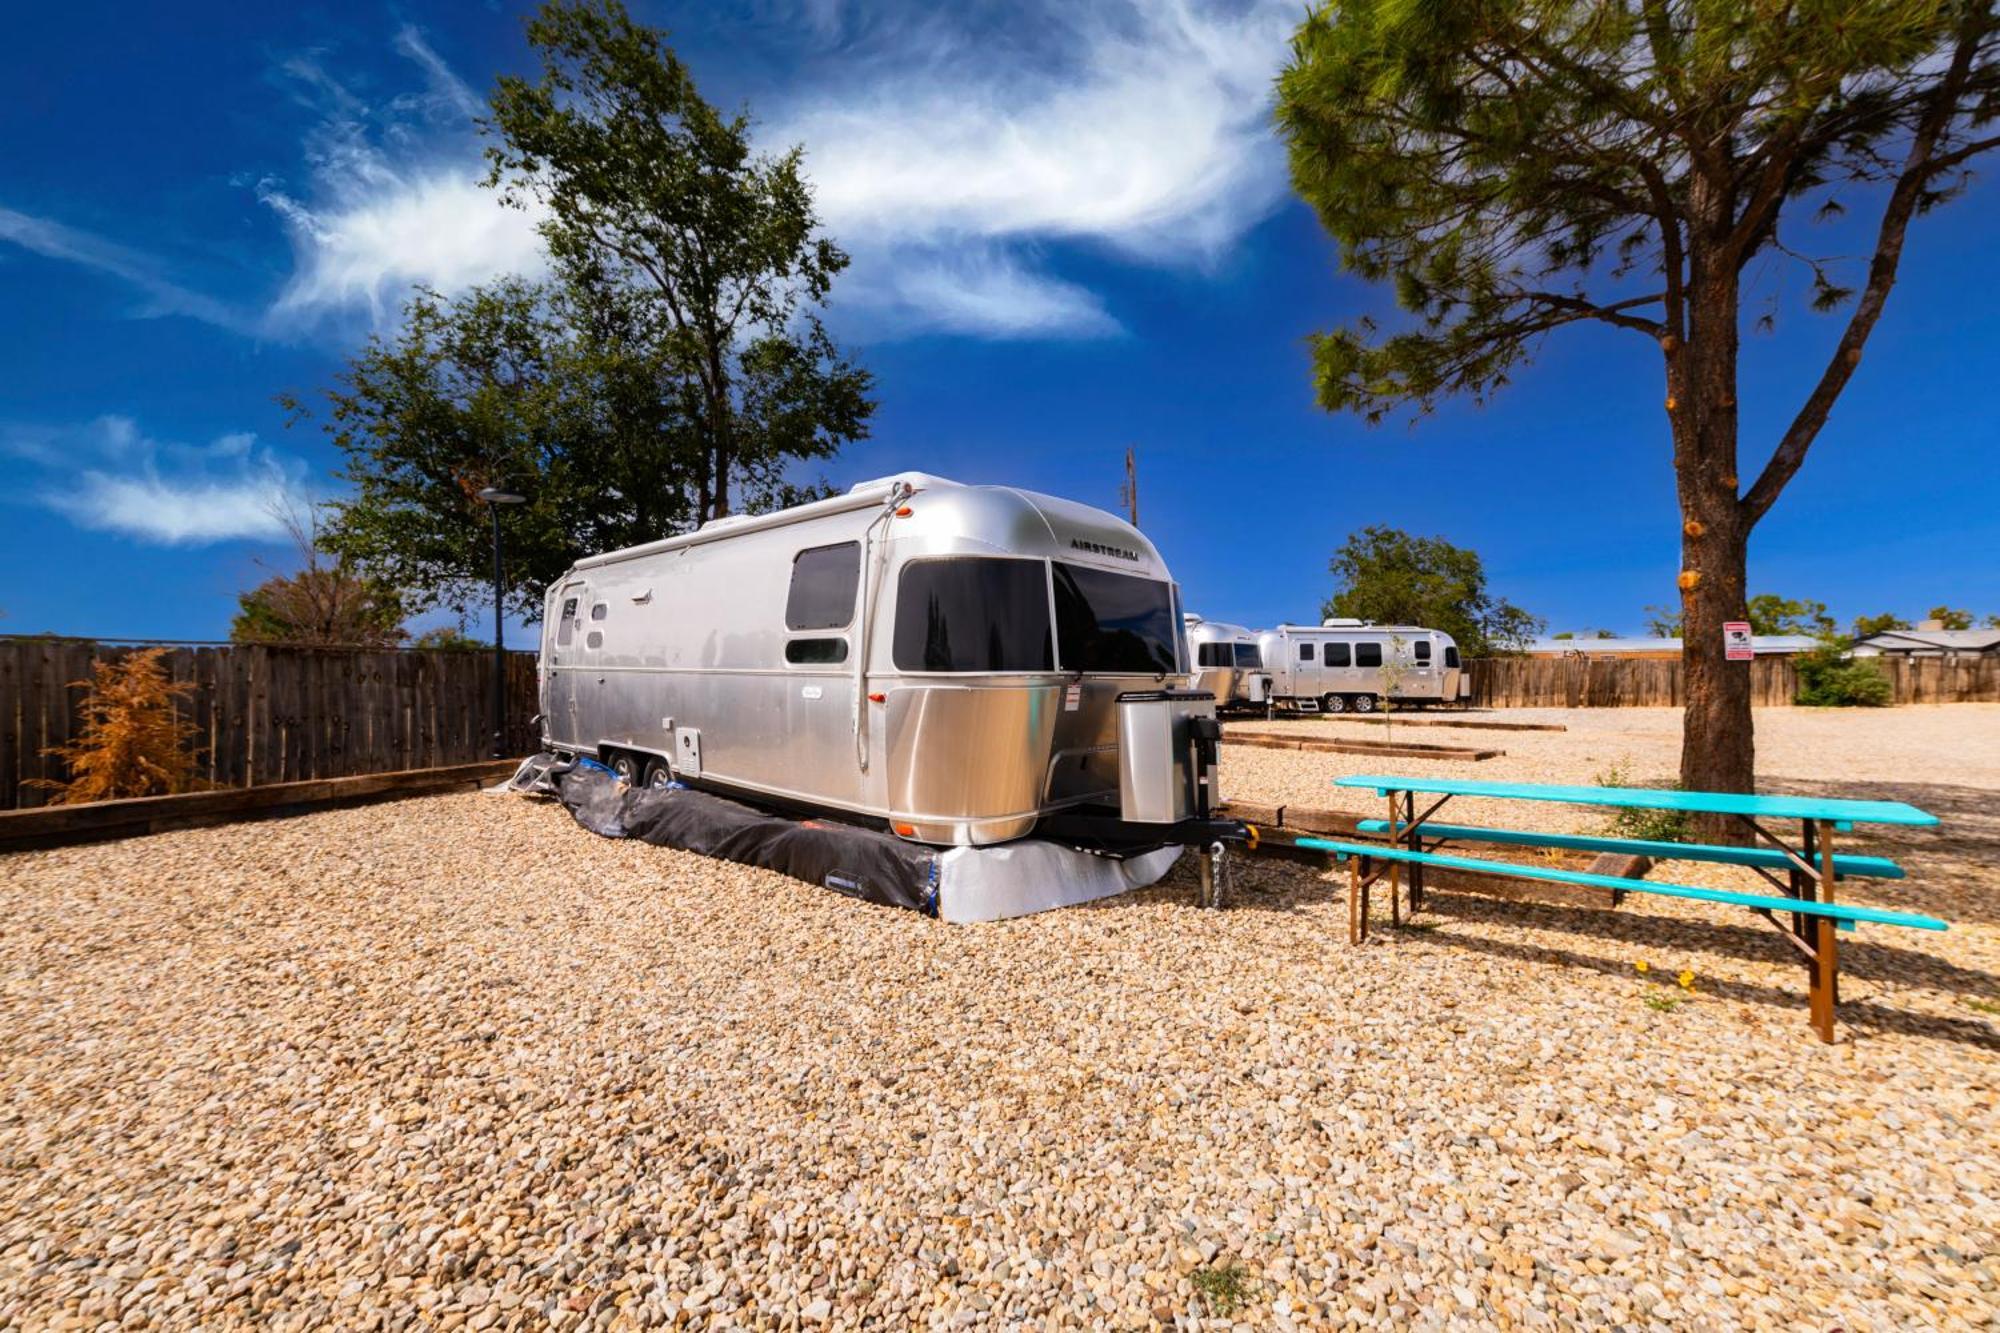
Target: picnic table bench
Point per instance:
(1805, 895)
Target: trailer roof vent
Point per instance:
(1341, 622)
(726, 521)
(1190, 618)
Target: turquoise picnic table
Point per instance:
(1810, 865)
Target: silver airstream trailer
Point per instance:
(1227, 663)
(963, 664)
(1345, 665)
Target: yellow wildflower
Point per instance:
(1643, 966)
(1686, 978)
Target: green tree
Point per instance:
(323, 602)
(1950, 617)
(554, 390)
(450, 639)
(1517, 166)
(1387, 577)
(649, 188)
(1769, 613)
(1867, 627)
(1663, 622)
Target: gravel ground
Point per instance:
(454, 1062)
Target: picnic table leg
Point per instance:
(1357, 911)
(1415, 841)
(1829, 945)
(1395, 871)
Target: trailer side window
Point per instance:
(1368, 654)
(1337, 655)
(973, 613)
(815, 652)
(1422, 648)
(823, 582)
(1305, 652)
(1451, 655)
(600, 611)
(566, 630)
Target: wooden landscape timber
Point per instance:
(1470, 724)
(1279, 827)
(61, 825)
(1344, 745)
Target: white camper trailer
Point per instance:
(1227, 663)
(1345, 665)
(964, 664)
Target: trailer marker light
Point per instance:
(878, 698)
(904, 830)
(904, 512)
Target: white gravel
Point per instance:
(454, 1062)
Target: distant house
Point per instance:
(1928, 641)
(1764, 645)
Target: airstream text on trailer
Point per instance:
(1347, 665)
(966, 664)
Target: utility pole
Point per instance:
(1128, 495)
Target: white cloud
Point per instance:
(55, 240)
(393, 196)
(109, 477)
(978, 290)
(1152, 139)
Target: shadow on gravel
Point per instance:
(1954, 868)
(1860, 961)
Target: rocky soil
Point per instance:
(454, 1062)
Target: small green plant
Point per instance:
(1829, 678)
(1645, 825)
(1984, 1006)
(1224, 1288)
(1663, 1004)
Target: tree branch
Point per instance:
(1918, 168)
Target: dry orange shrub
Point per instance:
(133, 742)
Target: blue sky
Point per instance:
(1071, 231)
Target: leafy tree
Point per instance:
(324, 602)
(133, 741)
(553, 390)
(1388, 577)
(1950, 617)
(1566, 634)
(1769, 613)
(1663, 622)
(1517, 166)
(450, 639)
(1867, 627)
(652, 190)
(1829, 678)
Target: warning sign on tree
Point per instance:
(1736, 641)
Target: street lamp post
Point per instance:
(495, 496)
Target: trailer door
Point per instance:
(565, 652)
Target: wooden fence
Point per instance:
(1609, 682)
(265, 715)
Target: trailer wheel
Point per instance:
(1333, 703)
(1364, 703)
(626, 765)
(658, 774)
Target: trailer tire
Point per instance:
(658, 774)
(1364, 703)
(1333, 703)
(626, 765)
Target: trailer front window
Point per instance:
(1107, 622)
(1248, 658)
(973, 613)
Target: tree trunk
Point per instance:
(1718, 749)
